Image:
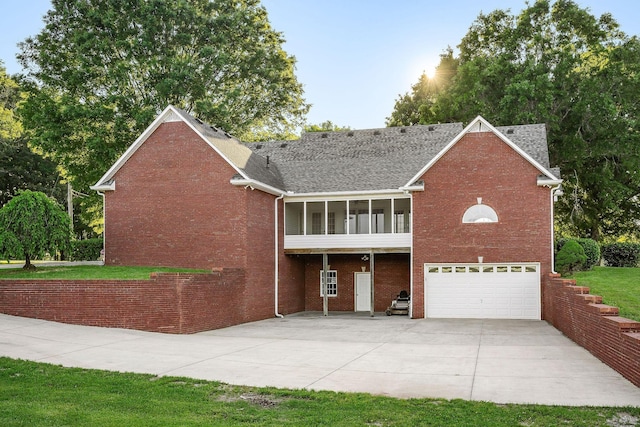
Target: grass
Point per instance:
(619, 286)
(89, 272)
(35, 394)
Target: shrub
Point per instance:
(591, 250)
(621, 254)
(86, 250)
(570, 258)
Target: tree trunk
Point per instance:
(27, 263)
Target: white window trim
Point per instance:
(332, 276)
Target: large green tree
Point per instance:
(101, 70)
(10, 126)
(555, 63)
(32, 224)
(20, 167)
(417, 107)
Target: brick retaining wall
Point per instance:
(593, 325)
(178, 303)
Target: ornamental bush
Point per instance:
(570, 258)
(591, 250)
(86, 250)
(621, 254)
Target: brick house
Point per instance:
(461, 218)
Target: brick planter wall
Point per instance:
(179, 303)
(593, 325)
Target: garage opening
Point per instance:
(482, 291)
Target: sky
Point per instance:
(354, 57)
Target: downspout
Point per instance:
(104, 228)
(280, 197)
(553, 255)
(411, 263)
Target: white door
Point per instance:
(363, 291)
(482, 291)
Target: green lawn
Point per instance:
(89, 272)
(618, 286)
(34, 394)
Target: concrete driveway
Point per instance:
(503, 361)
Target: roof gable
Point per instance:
(531, 137)
(245, 162)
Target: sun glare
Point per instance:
(430, 72)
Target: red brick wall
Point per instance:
(480, 165)
(173, 206)
(391, 275)
(291, 294)
(595, 326)
(168, 302)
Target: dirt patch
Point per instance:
(623, 420)
(262, 400)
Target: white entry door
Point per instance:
(363, 291)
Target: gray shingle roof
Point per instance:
(360, 160)
(532, 139)
(357, 160)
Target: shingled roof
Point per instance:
(375, 159)
(369, 160)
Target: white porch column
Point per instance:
(371, 267)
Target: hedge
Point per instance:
(86, 250)
(621, 254)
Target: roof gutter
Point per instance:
(548, 182)
(417, 186)
(326, 194)
(257, 185)
(104, 187)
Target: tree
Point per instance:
(326, 126)
(417, 107)
(558, 64)
(32, 224)
(99, 72)
(10, 126)
(22, 169)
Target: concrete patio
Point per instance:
(503, 361)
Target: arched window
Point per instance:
(479, 213)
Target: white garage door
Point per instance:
(482, 291)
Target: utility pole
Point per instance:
(70, 203)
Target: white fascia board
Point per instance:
(414, 187)
(104, 187)
(145, 135)
(345, 194)
(257, 185)
(548, 182)
(480, 120)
